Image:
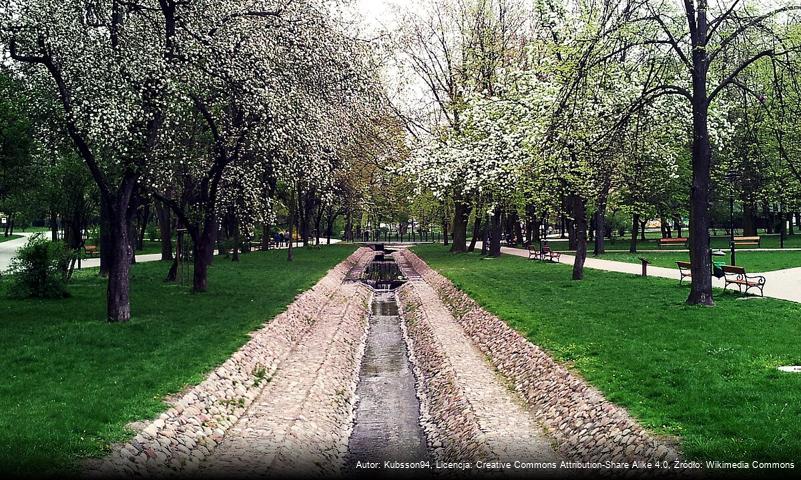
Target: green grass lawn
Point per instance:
(706, 375)
(752, 261)
(10, 237)
(33, 229)
(71, 382)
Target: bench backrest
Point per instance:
(673, 240)
(733, 270)
(746, 239)
(683, 265)
(546, 248)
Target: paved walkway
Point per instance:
(782, 284)
(9, 248)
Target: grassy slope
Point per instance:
(72, 382)
(707, 375)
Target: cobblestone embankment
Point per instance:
(585, 425)
(181, 438)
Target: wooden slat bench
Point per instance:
(672, 241)
(739, 241)
(684, 271)
(545, 253)
(737, 276)
(90, 250)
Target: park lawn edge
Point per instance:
(48, 444)
(701, 438)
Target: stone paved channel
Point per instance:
(349, 374)
(387, 415)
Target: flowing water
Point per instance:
(387, 426)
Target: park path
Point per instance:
(155, 257)
(9, 248)
(781, 284)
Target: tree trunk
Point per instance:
(53, 226)
(317, 222)
(237, 240)
(580, 214)
(106, 237)
(118, 306)
(203, 237)
(349, 226)
(145, 219)
(485, 236)
(769, 218)
(120, 220)
(292, 208)
(476, 230)
(265, 237)
(165, 230)
(600, 228)
(518, 230)
(133, 214)
(329, 226)
(749, 226)
(701, 285)
(132, 238)
(496, 231)
(667, 231)
(635, 227)
(461, 216)
(571, 235)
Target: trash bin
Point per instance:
(717, 269)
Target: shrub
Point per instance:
(40, 269)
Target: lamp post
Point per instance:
(731, 176)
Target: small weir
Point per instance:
(387, 416)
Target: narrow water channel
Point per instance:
(387, 416)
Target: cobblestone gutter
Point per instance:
(448, 420)
(197, 423)
(585, 425)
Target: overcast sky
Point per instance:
(378, 13)
(380, 16)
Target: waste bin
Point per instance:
(717, 269)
